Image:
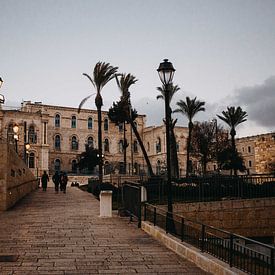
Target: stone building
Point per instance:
(57, 136)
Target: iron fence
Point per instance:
(212, 188)
(245, 254)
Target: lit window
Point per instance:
(90, 142)
(74, 144)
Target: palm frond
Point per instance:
(82, 103)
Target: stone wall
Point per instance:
(16, 180)
(250, 218)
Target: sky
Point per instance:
(223, 53)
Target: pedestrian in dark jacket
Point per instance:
(44, 180)
(56, 180)
(64, 181)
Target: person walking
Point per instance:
(44, 180)
(56, 180)
(64, 181)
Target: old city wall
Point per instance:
(16, 180)
(250, 218)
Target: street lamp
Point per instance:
(16, 136)
(166, 73)
(26, 152)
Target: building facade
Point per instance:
(57, 136)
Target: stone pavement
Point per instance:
(48, 233)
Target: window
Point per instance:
(158, 167)
(148, 146)
(57, 165)
(74, 166)
(120, 146)
(90, 142)
(90, 123)
(74, 144)
(249, 163)
(73, 122)
(31, 160)
(106, 125)
(57, 120)
(135, 146)
(106, 145)
(120, 127)
(249, 149)
(32, 135)
(57, 142)
(158, 146)
(178, 146)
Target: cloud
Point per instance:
(259, 102)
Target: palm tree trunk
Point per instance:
(190, 127)
(174, 155)
(124, 148)
(150, 170)
(98, 103)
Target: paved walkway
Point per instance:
(50, 233)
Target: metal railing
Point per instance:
(132, 200)
(245, 254)
(213, 188)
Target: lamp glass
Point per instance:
(16, 137)
(2, 99)
(27, 146)
(166, 72)
(15, 129)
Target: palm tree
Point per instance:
(124, 84)
(189, 108)
(174, 156)
(102, 74)
(233, 117)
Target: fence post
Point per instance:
(155, 215)
(231, 250)
(139, 207)
(272, 268)
(202, 237)
(145, 214)
(182, 229)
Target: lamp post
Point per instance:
(2, 98)
(166, 73)
(16, 136)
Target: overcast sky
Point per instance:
(223, 53)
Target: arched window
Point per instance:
(32, 160)
(120, 127)
(106, 124)
(90, 123)
(57, 142)
(74, 144)
(73, 122)
(74, 166)
(135, 146)
(90, 142)
(158, 145)
(120, 146)
(57, 165)
(32, 135)
(106, 145)
(57, 120)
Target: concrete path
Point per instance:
(48, 233)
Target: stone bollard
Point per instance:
(106, 204)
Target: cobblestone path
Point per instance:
(48, 233)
